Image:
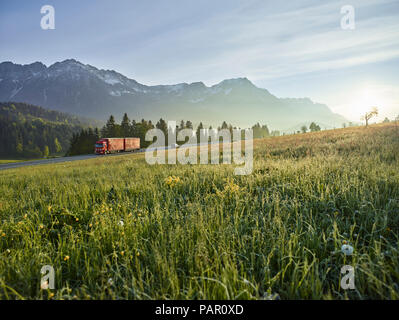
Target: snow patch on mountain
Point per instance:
(110, 79)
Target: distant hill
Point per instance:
(28, 131)
(74, 87)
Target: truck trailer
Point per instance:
(114, 145)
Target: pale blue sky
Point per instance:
(291, 48)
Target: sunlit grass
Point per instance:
(9, 161)
(118, 228)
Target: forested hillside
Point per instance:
(28, 131)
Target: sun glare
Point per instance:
(365, 99)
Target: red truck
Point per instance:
(112, 145)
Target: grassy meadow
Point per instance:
(118, 228)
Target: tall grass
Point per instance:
(118, 228)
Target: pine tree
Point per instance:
(125, 126)
(189, 125)
(110, 129)
(199, 133)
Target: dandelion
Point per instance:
(51, 295)
(172, 181)
(138, 254)
(3, 234)
(77, 219)
(25, 216)
(347, 249)
(229, 188)
(66, 258)
(122, 253)
(90, 225)
(49, 208)
(41, 226)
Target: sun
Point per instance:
(364, 99)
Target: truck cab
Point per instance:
(101, 147)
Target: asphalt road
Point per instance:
(13, 165)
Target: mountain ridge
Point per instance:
(82, 89)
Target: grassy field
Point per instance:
(118, 228)
(2, 161)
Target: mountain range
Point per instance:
(81, 89)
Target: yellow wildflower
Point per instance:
(172, 181)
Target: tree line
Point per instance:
(29, 132)
(83, 142)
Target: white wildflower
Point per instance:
(347, 249)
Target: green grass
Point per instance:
(209, 234)
(9, 161)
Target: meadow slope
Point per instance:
(118, 228)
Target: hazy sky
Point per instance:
(291, 48)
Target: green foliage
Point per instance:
(25, 130)
(111, 129)
(83, 142)
(46, 152)
(313, 127)
(125, 126)
(57, 144)
(200, 232)
(260, 131)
